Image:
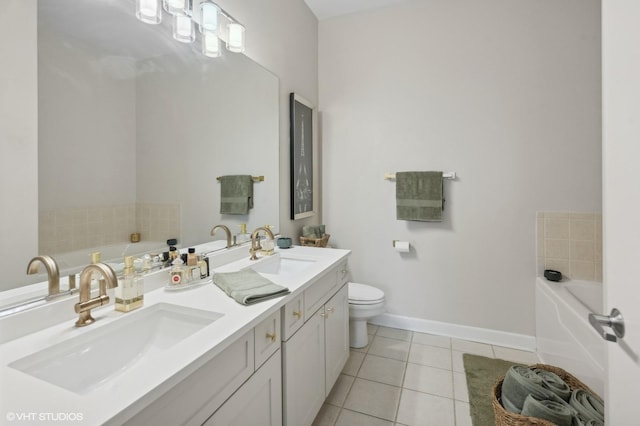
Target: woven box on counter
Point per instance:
(507, 418)
(315, 242)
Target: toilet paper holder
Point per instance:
(401, 246)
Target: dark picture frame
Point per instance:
(303, 157)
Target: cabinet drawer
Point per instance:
(319, 292)
(292, 317)
(267, 338)
(193, 400)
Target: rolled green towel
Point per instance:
(588, 405)
(519, 382)
(247, 286)
(554, 383)
(578, 420)
(553, 411)
(313, 231)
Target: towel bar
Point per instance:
(448, 175)
(254, 178)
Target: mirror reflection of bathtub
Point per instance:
(563, 333)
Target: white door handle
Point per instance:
(614, 321)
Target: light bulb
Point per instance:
(183, 29)
(175, 7)
(210, 44)
(149, 11)
(235, 43)
(209, 16)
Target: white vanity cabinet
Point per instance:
(314, 356)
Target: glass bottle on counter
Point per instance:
(130, 290)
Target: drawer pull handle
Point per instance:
(297, 314)
(323, 315)
(271, 336)
(331, 310)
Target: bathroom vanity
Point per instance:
(193, 356)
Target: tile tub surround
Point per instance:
(407, 378)
(570, 243)
(65, 230)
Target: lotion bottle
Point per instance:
(243, 236)
(130, 291)
(177, 275)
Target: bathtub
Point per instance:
(564, 336)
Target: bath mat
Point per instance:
(482, 373)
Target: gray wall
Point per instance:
(507, 94)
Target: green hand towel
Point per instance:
(236, 194)
(247, 286)
(419, 196)
(555, 412)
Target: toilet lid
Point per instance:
(362, 293)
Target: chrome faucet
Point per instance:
(255, 241)
(52, 271)
(227, 231)
(84, 306)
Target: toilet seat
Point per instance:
(362, 294)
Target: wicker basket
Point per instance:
(507, 418)
(315, 242)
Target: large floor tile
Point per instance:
(353, 363)
(515, 355)
(340, 390)
(374, 399)
(460, 390)
(371, 329)
(432, 356)
(427, 379)
(457, 361)
(432, 340)
(383, 370)
(352, 418)
(395, 333)
(417, 409)
(327, 416)
(389, 348)
(463, 414)
(472, 347)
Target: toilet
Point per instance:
(365, 302)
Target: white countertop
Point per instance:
(25, 399)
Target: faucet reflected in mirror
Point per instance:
(53, 272)
(227, 231)
(84, 306)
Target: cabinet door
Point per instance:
(258, 402)
(336, 336)
(303, 375)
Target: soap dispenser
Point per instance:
(130, 291)
(243, 236)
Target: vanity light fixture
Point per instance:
(215, 24)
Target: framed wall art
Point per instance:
(303, 157)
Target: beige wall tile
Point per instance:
(598, 272)
(583, 229)
(582, 250)
(583, 270)
(558, 249)
(557, 228)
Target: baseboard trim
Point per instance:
(476, 334)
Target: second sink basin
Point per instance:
(280, 265)
(83, 363)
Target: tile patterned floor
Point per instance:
(407, 378)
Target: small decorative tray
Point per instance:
(192, 284)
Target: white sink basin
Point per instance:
(281, 265)
(83, 363)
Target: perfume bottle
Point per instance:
(130, 290)
(177, 275)
(243, 236)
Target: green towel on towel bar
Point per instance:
(419, 196)
(236, 194)
(247, 286)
